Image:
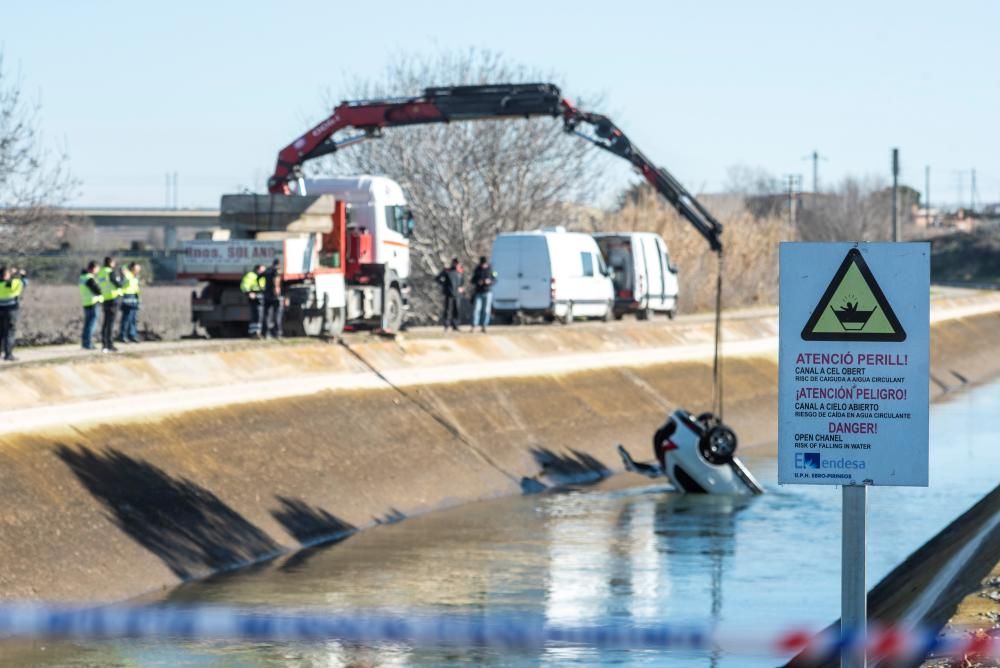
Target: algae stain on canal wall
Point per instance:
(144, 503)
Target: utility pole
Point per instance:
(176, 197)
(895, 193)
(972, 192)
(927, 195)
(794, 183)
(166, 190)
(815, 157)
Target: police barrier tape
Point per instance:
(494, 631)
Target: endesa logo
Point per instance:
(807, 460)
(813, 460)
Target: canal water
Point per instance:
(609, 552)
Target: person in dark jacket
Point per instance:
(482, 282)
(110, 281)
(452, 282)
(90, 298)
(12, 284)
(274, 302)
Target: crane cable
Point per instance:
(717, 359)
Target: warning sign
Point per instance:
(853, 308)
(854, 324)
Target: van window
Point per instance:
(588, 263)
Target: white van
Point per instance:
(645, 279)
(550, 273)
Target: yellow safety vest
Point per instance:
(10, 292)
(109, 291)
(131, 286)
(87, 296)
(252, 282)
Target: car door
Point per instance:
(587, 292)
(534, 273)
(657, 272)
(670, 283)
(641, 255)
(506, 262)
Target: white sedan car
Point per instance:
(698, 455)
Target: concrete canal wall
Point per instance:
(120, 476)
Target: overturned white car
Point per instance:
(698, 455)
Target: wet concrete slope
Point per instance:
(122, 476)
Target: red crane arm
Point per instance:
(456, 103)
(367, 117)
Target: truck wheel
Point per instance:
(568, 318)
(393, 311)
(312, 326)
(335, 319)
(671, 313)
(643, 314)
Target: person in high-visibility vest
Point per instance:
(128, 330)
(252, 286)
(110, 281)
(90, 297)
(12, 284)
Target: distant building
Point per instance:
(923, 217)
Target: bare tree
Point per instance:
(466, 182)
(857, 210)
(33, 181)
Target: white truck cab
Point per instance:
(377, 206)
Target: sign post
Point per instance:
(853, 579)
(854, 338)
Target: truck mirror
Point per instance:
(410, 223)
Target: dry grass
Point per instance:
(750, 244)
(52, 314)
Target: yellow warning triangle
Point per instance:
(853, 308)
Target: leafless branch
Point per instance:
(33, 180)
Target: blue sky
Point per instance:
(212, 90)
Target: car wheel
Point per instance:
(610, 313)
(671, 313)
(718, 445)
(643, 314)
